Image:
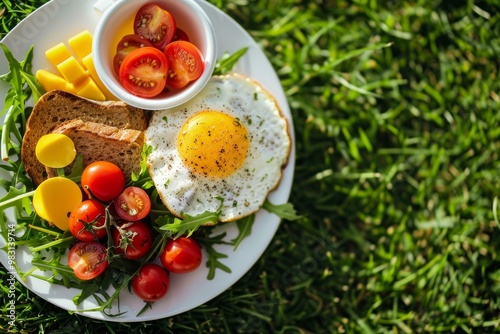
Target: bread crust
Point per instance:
(100, 142)
(57, 107)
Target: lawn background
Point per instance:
(396, 176)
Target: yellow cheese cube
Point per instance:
(57, 54)
(78, 74)
(89, 89)
(72, 71)
(81, 44)
(51, 81)
(88, 62)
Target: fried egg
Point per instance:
(224, 149)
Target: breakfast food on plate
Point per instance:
(227, 144)
(100, 142)
(57, 107)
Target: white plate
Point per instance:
(58, 20)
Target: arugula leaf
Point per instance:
(245, 229)
(213, 263)
(143, 179)
(36, 89)
(97, 287)
(284, 211)
(147, 306)
(63, 243)
(54, 265)
(225, 64)
(77, 169)
(18, 198)
(158, 209)
(86, 291)
(22, 85)
(187, 226)
(14, 75)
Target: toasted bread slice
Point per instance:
(96, 141)
(56, 107)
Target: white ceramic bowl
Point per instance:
(189, 17)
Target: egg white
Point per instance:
(241, 193)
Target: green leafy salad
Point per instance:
(21, 226)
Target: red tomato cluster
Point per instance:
(157, 56)
(131, 236)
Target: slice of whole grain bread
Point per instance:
(56, 107)
(100, 142)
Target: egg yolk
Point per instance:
(213, 143)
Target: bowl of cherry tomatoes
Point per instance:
(154, 54)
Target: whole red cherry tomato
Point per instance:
(181, 255)
(86, 221)
(132, 239)
(151, 282)
(103, 180)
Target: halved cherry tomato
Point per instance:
(126, 45)
(132, 239)
(180, 35)
(155, 24)
(151, 282)
(103, 180)
(185, 63)
(143, 72)
(132, 204)
(181, 255)
(87, 259)
(86, 221)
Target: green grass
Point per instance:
(396, 177)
